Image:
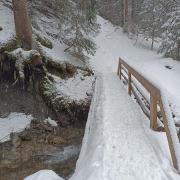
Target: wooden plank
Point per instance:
(169, 138)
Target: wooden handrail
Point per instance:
(155, 99)
(154, 92)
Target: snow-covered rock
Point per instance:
(51, 122)
(14, 122)
(44, 175)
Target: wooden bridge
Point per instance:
(154, 107)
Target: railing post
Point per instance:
(118, 70)
(129, 84)
(153, 112)
(169, 137)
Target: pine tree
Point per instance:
(149, 20)
(81, 24)
(171, 35)
(76, 22)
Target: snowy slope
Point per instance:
(47, 27)
(77, 88)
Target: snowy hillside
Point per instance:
(44, 27)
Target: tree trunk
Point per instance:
(133, 10)
(122, 13)
(22, 23)
(178, 50)
(153, 36)
(125, 11)
(153, 27)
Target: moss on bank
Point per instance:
(11, 45)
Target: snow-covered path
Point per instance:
(128, 152)
(112, 43)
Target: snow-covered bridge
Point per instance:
(118, 142)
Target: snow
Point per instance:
(118, 143)
(171, 125)
(51, 122)
(113, 43)
(44, 175)
(14, 122)
(76, 88)
(57, 53)
(23, 54)
(89, 164)
(6, 22)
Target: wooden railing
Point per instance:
(129, 74)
